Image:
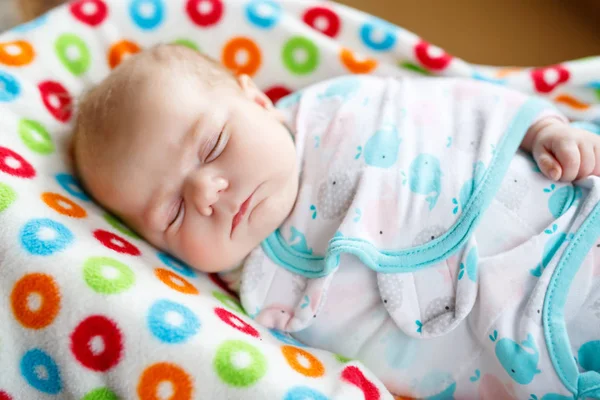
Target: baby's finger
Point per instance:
(567, 154)
(588, 160)
(596, 170)
(548, 164)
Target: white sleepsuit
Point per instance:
(426, 245)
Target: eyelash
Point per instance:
(179, 211)
(218, 144)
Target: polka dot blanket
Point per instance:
(88, 310)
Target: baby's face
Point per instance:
(205, 173)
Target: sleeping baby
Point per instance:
(429, 227)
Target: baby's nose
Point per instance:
(207, 191)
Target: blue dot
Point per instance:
(386, 42)
(176, 265)
(72, 186)
(9, 87)
(282, 337)
(482, 77)
(41, 372)
(304, 393)
(34, 241)
(263, 13)
(172, 331)
(594, 85)
(147, 14)
(31, 25)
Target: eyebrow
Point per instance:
(157, 212)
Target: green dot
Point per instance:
(342, 359)
(310, 57)
(187, 43)
(100, 394)
(228, 301)
(107, 276)
(35, 136)
(598, 94)
(118, 225)
(414, 68)
(7, 196)
(232, 374)
(73, 53)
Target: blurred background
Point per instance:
(505, 32)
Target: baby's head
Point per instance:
(194, 159)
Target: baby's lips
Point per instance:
(547, 78)
(432, 57)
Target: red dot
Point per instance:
(204, 18)
(15, 165)
(354, 376)
(235, 322)
(312, 15)
(115, 242)
(97, 343)
(277, 92)
(543, 85)
(437, 61)
(90, 12)
(4, 395)
(57, 100)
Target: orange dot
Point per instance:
(357, 66)
(504, 72)
(63, 205)
(16, 53)
(232, 51)
(297, 358)
(120, 50)
(571, 102)
(158, 373)
(35, 316)
(174, 281)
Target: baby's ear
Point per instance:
(252, 92)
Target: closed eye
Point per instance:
(179, 212)
(218, 147)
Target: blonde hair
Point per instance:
(99, 110)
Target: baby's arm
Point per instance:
(561, 151)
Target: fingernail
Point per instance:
(554, 174)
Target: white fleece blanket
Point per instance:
(88, 310)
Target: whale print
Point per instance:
(439, 315)
(588, 356)
(550, 248)
(342, 88)
(469, 186)
(470, 266)
(561, 199)
(335, 195)
(298, 242)
(428, 234)
(391, 288)
(381, 150)
(512, 191)
(426, 177)
(520, 361)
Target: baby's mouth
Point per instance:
(237, 218)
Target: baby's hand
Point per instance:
(563, 152)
